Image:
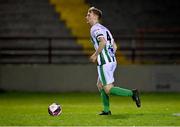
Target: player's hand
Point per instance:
(93, 58)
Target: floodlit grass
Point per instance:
(28, 109)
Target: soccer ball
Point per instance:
(54, 109)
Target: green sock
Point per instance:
(120, 91)
(105, 100)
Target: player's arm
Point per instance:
(114, 46)
(102, 43)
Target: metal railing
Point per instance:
(25, 50)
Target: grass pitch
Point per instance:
(81, 109)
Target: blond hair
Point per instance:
(96, 11)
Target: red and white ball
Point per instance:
(54, 109)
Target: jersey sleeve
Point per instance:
(97, 32)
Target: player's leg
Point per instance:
(107, 77)
(110, 89)
(105, 99)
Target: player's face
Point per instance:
(89, 17)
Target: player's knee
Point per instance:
(107, 88)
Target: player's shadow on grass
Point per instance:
(124, 116)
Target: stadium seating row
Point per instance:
(36, 22)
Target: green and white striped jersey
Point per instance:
(107, 55)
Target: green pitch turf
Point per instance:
(28, 109)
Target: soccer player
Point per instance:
(106, 62)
